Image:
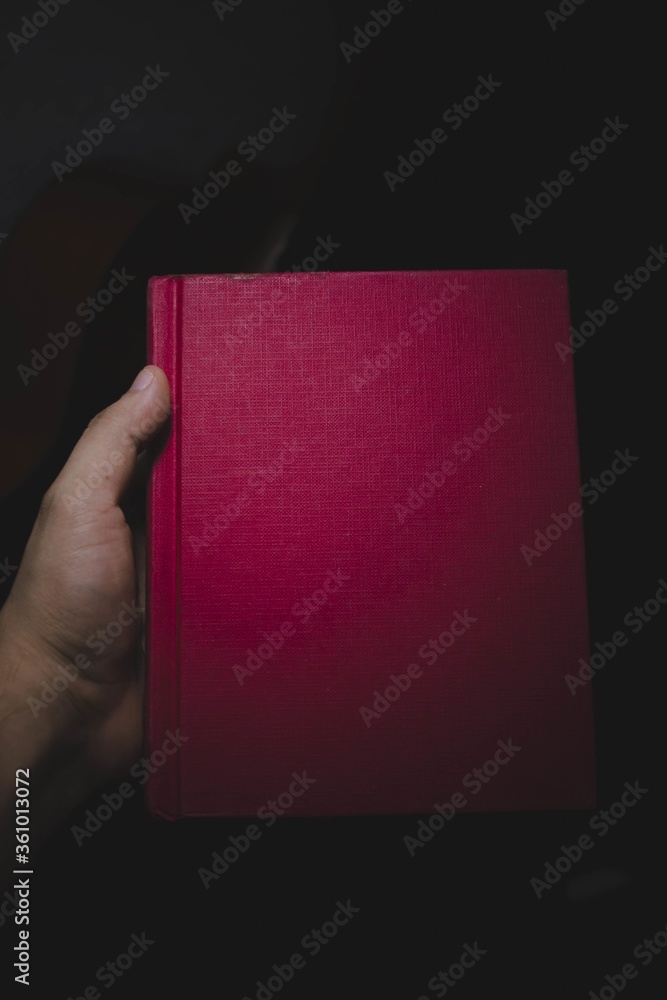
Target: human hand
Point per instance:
(70, 696)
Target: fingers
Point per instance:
(102, 464)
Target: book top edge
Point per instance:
(315, 275)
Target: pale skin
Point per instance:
(77, 575)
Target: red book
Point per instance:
(366, 565)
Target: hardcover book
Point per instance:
(366, 566)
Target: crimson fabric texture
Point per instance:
(364, 581)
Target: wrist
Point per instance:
(51, 744)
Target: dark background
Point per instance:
(323, 177)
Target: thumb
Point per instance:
(102, 464)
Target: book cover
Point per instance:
(366, 566)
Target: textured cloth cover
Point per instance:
(368, 474)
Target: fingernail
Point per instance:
(144, 378)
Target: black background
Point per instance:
(472, 881)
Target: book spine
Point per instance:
(163, 554)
